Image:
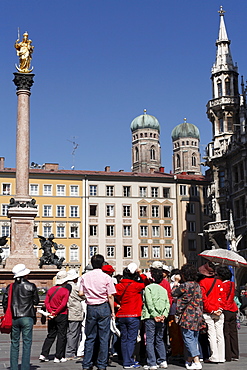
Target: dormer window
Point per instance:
(219, 86)
(227, 86)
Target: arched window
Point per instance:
(193, 159)
(227, 86)
(136, 154)
(178, 161)
(219, 86)
(152, 153)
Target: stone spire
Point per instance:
(223, 56)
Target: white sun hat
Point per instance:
(61, 277)
(132, 267)
(72, 274)
(20, 270)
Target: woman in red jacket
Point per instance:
(130, 299)
(230, 310)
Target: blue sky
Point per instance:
(99, 63)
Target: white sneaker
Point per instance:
(56, 360)
(195, 366)
(63, 359)
(187, 364)
(43, 358)
(163, 365)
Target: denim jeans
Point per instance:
(155, 342)
(97, 322)
(190, 338)
(24, 326)
(129, 330)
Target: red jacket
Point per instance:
(58, 303)
(165, 284)
(129, 297)
(214, 301)
(228, 296)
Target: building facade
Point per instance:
(226, 154)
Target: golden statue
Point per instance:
(24, 51)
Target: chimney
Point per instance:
(2, 159)
(107, 169)
(51, 166)
(162, 169)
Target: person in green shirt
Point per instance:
(155, 311)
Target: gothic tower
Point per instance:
(186, 153)
(146, 151)
(223, 108)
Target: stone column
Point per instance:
(22, 209)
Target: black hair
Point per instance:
(97, 261)
(175, 272)
(128, 275)
(189, 272)
(157, 275)
(224, 273)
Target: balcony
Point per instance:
(223, 100)
(216, 226)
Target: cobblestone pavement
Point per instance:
(40, 334)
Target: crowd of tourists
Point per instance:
(186, 316)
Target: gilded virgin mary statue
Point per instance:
(24, 51)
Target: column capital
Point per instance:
(23, 81)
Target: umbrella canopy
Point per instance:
(224, 257)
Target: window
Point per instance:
(221, 125)
(73, 254)
(143, 211)
(155, 231)
(183, 190)
(47, 190)
(178, 161)
(93, 230)
(74, 232)
(219, 85)
(60, 190)
(93, 190)
(168, 251)
(60, 252)
(192, 226)
(110, 251)
(227, 86)
(154, 192)
(74, 190)
(136, 155)
(4, 209)
(143, 191)
(126, 191)
(127, 251)
(60, 231)
(74, 211)
(152, 153)
(5, 230)
(110, 191)
(6, 189)
(144, 251)
(47, 211)
(127, 230)
(155, 211)
(110, 230)
(167, 211)
(60, 211)
(93, 210)
(110, 211)
(191, 208)
(93, 249)
(229, 123)
(221, 179)
(35, 231)
(166, 192)
(194, 191)
(167, 231)
(193, 160)
(192, 245)
(143, 230)
(156, 252)
(47, 231)
(34, 190)
(126, 211)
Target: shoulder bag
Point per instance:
(6, 319)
